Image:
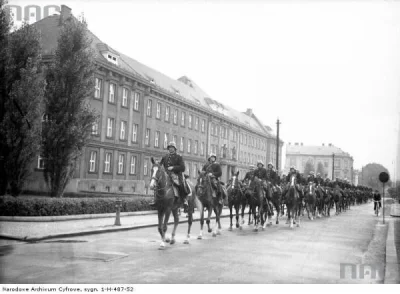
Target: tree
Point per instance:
(320, 169)
(309, 167)
(23, 91)
(394, 192)
(370, 175)
(70, 80)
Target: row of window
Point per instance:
(292, 161)
(108, 163)
(192, 122)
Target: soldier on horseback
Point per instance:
(213, 169)
(175, 166)
(318, 180)
(249, 175)
(311, 177)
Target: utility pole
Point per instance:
(277, 144)
(333, 165)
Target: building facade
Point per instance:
(298, 155)
(141, 110)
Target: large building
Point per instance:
(141, 110)
(298, 155)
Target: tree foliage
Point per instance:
(320, 169)
(22, 95)
(309, 167)
(370, 175)
(70, 80)
(394, 192)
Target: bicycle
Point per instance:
(377, 206)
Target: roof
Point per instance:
(315, 150)
(183, 86)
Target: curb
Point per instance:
(93, 232)
(70, 217)
(392, 273)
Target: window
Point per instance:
(97, 91)
(147, 138)
(203, 126)
(92, 161)
(202, 148)
(149, 104)
(122, 132)
(121, 161)
(223, 129)
(194, 170)
(337, 174)
(135, 100)
(133, 165)
(190, 121)
(157, 139)
(107, 162)
(196, 123)
(212, 129)
(158, 112)
(176, 116)
(175, 138)
(111, 96)
(196, 145)
(125, 97)
(95, 128)
(189, 145)
(145, 169)
(181, 145)
(345, 163)
(167, 113)
(165, 140)
(134, 132)
(40, 163)
(326, 164)
(337, 163)
(110, 126)
(182, 119)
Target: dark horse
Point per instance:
(321, 194)
(166, 202)
(236, 199)
(310, 197)
(338, 198)
(292, 202)
(257, 201)
(206, 200)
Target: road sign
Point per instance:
(383, 177)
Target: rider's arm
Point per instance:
(180, 166)
(217, 172)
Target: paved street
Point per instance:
(309, 254)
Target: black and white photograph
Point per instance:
(149, 145)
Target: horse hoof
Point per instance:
(199, 237)
(209, 230)
(230, 229)
(162, 246)
(263, 228)
(277, 222)
(167, 240)
(172, 242)
(312, 218)
(240, 228)
(214, 235)
(186, 242)
(255, 230)
(219, 233)
(298, 225)
(237, 226)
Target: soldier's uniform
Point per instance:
(215, 169)
(175, 161)
(271, 176)
(311, 177)
(249, 175)
(319, 181)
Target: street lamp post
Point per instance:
(277, 144)
(333, 164)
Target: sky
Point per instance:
(330, 71)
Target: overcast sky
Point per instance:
(330, 71)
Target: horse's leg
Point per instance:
(218, 219)
(190, 220)
(255, 218)
(214, 229)
(209, 210)
(165, 225)
(176, 222)
(243, 207)
(237, 207)
(201, 208)
(160, 228)
(230, 215)
(298, 217)
(278, 210)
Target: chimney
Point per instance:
(297, 144)
(65, 13)
(249, 111)
(323, 144)
(330, 144)
(290, 143)
(301, 143)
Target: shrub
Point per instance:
(46, 206)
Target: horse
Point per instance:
(338, 198)
(257, 201)
(236, 199)
(276, 200)
(328, 201)
(320, 200)
(247, 195)
(206, 200)
(310, 197)
(166, 202)
(292, 202)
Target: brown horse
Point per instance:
(166, 202)
(206, 200)
(310, 197)
(292, 203)
(257, 201)
(236, 199)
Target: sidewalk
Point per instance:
(35, 231)
(392, 268)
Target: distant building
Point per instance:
(397, 167)
(298, 155)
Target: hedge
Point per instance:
(46, 206)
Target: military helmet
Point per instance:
(270, 164)
(171, 144)
(260, 162)
(212, 155)
(311, 173)
(252, 167)
(292, 167)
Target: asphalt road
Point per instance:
(309, 254)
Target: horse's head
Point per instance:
(156, 173)
(202, 178)
(235, 180)
(292, 180)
